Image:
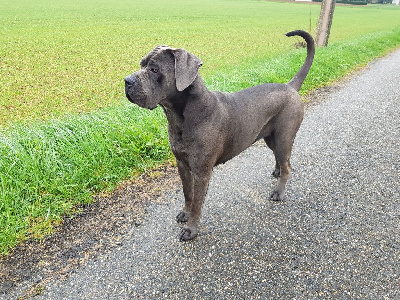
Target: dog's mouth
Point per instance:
(127, 95)
(139, 99)
(132, 89)
(133, 95)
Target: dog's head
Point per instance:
(164, 73)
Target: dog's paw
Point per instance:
(276, 173)
(182, 217)
(275, 196)
(187, 234)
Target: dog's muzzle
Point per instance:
(135, 93)
(130, 82)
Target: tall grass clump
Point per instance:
(47, 169)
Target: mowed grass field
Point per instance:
(59, 56)
(66, 130)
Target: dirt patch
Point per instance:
(97, 229)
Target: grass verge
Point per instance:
(47, 169)
(330, 63)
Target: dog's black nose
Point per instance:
(130, 80)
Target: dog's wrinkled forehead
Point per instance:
(156, 50)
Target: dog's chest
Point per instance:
(177, 144)
(175, 132)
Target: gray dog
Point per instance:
(209, 128)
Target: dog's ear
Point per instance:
(186, 68)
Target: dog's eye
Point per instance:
(154, 70)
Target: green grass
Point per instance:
(60, 58)
(330, 64)
(48, 168)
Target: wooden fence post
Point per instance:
(325, 22)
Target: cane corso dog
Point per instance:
(209, 128)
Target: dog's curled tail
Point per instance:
(298, 79)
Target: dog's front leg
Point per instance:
(188, 191)
(199, 187)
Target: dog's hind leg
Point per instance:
(282, 152)
(282, 139)
(283, 159)
(269, 140)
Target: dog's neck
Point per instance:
(174, 107)
(194, 92)
(197, 89)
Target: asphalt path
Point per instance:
(335, 236)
